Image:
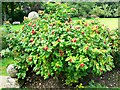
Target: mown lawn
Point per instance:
(112, 23)
(3, 65)
(14, 27)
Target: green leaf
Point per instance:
(108, 67)
(37, 73)
(55, 43)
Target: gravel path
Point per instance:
(3, 81)
(8, 82)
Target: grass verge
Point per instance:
(4, 63)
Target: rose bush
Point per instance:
(65, 49)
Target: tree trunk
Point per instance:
(12, 11)
(4, 11)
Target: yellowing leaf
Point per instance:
(104, 51)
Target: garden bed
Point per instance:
(108, 80)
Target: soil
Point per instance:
(38, 82)
(109, 79)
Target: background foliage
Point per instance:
(11, 10)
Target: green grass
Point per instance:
(14, 27)
(111, 23)
(4, 63)
(17, 27)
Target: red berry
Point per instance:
(96, 26)
(101, 70)
(60, 51)
(31, 40)
(61, 54)
(70, 60)
(96, 31)
(87, 48)
(30, 58)
(77, 27)
(86, 24)
(45, 48)
(104, 42)
(82, 32)
(58, 66)
(22, 28)
(28, 24)
(82, 65)
(74, 40)
(70, 26)
(58, 40)
(92, 21)
(33, 32)
(53, 32)
(48, 74)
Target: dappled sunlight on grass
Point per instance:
(111, 23)
(4, 63)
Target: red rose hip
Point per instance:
(30, 58)
(33, 32)
(31, 40)
(53, 32)
(82, 65)
(45, 48)
(82, 32)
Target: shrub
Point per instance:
(52, 47)
(4, 35)
(83, 9)
(5, 53)
(59, 11)
(2, 41)
(116, 54)
(9, 40)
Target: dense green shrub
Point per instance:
(3, 43)
(108, 9)
(59, 47)
(59, 11)
(4, 35)
(116, 55)
(83, 9)
(9, 40)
